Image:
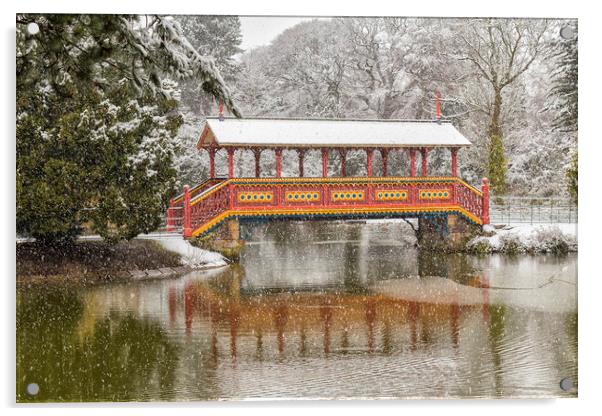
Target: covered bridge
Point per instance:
(201, 209)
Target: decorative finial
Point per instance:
(221, 110)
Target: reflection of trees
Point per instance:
(122, 359)
(497, 316)
(456, 267)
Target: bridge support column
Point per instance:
(385, 156)
(485, 190)
(324, 163)
(212, 162)
(170, 215)
(448, 233)
(187, 223)
(343, 153)
(412, 162)
(454, 161)
(225, 239)
(230, 163)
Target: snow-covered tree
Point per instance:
(218, 37)
(564, 99)
(95, 121)
(499, 51)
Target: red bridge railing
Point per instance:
(201, 208)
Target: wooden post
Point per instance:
(369, 154)
(485, 209)
(424, 153)
(278, 152)
(324, 162)
(301, 155)
(170, 220)
(385, 155)
(257, 153)
(343, 153)
(454, 161)
(187, 220)
(212, 151)
(230, 162)
(412, 162)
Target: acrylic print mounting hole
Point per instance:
(33, 389)
(566, 384)
(567, 32)
(33, 28)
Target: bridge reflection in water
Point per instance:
(335, 320)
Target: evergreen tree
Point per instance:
(497, 165)
(572, 178)
(564, 96)
(218, 37)
(95, 122)
(565, 88)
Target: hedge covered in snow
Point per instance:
(525, 238)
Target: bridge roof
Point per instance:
(280, 132)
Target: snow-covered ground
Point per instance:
(520, 238)
(191, 255)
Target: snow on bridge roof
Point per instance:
(329, 132)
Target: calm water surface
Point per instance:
(315, 310)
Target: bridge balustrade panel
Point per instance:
(285, 196)
(210, 205)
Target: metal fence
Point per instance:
(531, 210)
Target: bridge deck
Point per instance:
(205, 206)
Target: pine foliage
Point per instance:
(96, 117)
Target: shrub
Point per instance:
(480, 246)
(511, 244)
(552, 240)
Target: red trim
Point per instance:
(454, 161)
(324, 162)
(187, 217)
(369, 155)
(212, 151)
(202, 137)
(485, 208)
(231, 162)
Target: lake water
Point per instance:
(314, 310)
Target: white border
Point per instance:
(589, 229)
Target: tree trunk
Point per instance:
(494, 127)
(496, 169)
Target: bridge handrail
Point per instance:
(210, 204)
(197, 188)
(207, 192)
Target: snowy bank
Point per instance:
(192, 256)
(525, 238)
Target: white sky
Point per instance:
(258, 31)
